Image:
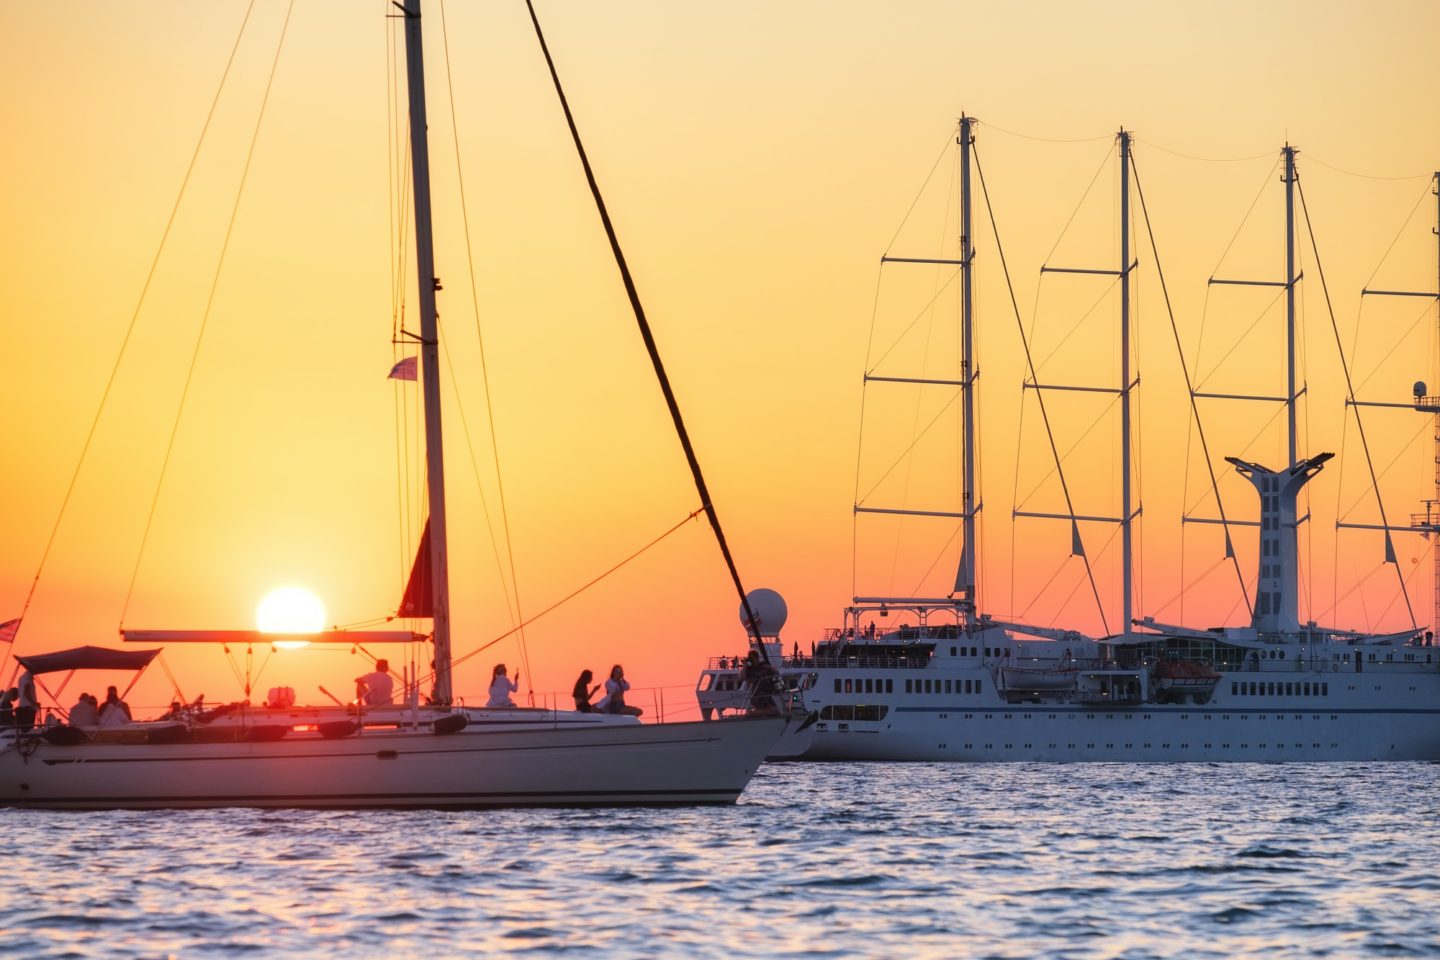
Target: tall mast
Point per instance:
(1126, 511)
(967, 587)
(1290, 297)
(1435, 622)
(429, 349)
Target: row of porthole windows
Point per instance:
(1280, 689)
(1131, 716)
(1147, 746)
(865, 685)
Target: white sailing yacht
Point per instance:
(436, 754)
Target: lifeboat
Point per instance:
(1178, 679)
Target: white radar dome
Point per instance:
(769, 609)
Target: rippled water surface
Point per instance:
(1093, 860)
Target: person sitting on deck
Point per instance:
(501, 687)
(583, 691)
(7, 707)
(85, 713)
(615, 688)
(376, 688)
(114, 712)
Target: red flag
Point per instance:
(404, 370)
(8, 630)
(419, 598)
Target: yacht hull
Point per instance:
(602, 765)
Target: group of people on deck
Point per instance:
(616, 686)
(377, 688)
(90, 712)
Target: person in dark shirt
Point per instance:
(583, 691)
(762, 680)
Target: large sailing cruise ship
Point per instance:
(935, 679)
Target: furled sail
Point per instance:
(419, 598)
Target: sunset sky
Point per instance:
(757, 160)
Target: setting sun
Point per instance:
(290, 610)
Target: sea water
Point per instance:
(817, 860)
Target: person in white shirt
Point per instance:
(84, 713)
(615, 688)
(114, 712)
(376, 687)
(501, 687)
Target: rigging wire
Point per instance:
(1425, 192)
(1369, 176)
(1030, 362)
(1104, 162)
(484, 368)
(129, 330)
(1189, 386)
(936, 287)
(576, 592)
(1190, 156)
(944, 149)
(751, 620)
(1350, 391)
(1265, 182)
(205, 317)
(1026, 136)
(904, 457)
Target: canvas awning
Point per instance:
(87, 658)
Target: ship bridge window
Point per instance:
(869, 686)
(857, 711)
(889, 686)
(849, 685)
(837, 684)
(947, 687)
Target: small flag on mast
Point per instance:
(8, 630)
(404, 370)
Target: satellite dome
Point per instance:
(1419, 388)
(770, 611)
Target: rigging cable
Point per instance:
(205, 317)
(1039, 396)
(936, 287)
(751, 620)
(870, 352)
(518, 614)
(1350, 391)
(1189, 387)
(577, 591)
(129, 330)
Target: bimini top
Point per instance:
(87, 658)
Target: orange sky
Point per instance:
(757, 161)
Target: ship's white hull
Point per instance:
(953, 709)
(603, 764)
(1162, 734)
